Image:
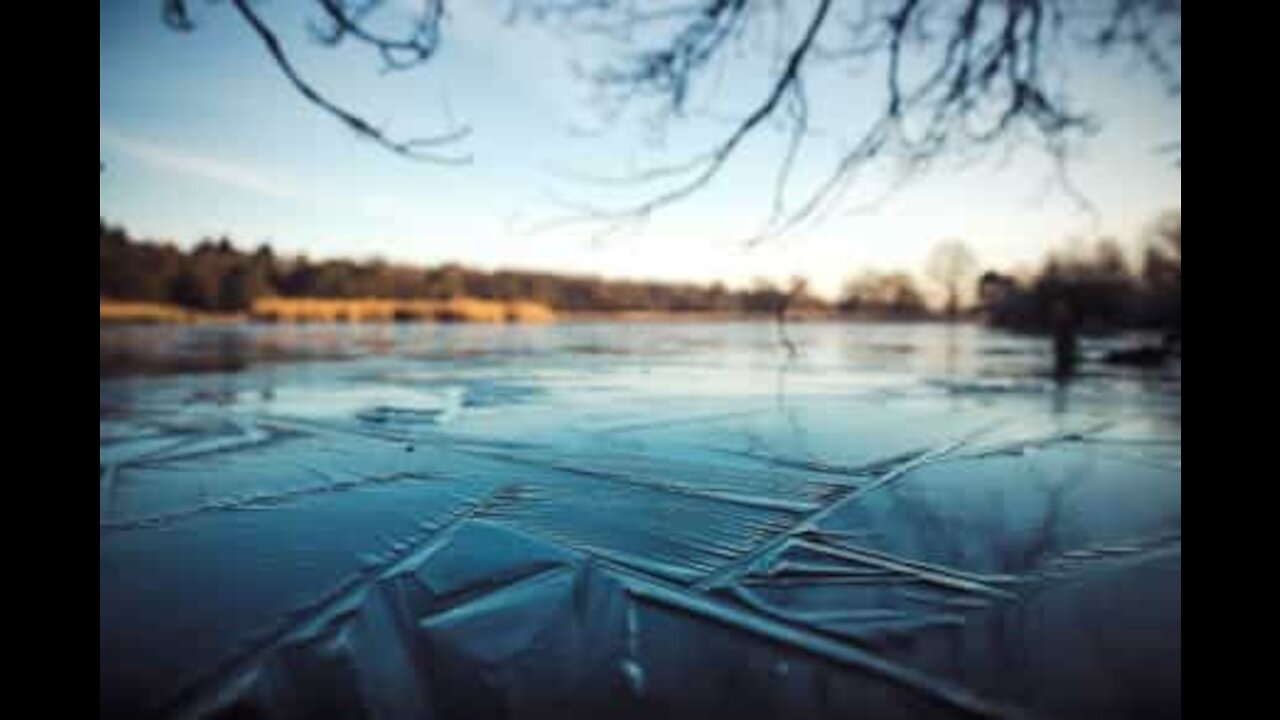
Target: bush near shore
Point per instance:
(215, 276)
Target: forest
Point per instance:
(1104, 287)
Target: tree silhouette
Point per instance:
(1096, 286)
(215, 275)
(957, 76)
(951, 265)
(876, 294)
(348, 20)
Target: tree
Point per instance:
(1162, 271)
(446, 282)
(239, 288)
(1097, 288)
(993, 286)
(876, 294)
(1164, 247)
(765, 297)
(951, 265)
(957, 76)
(197, 285)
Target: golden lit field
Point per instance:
(385, 310)
(126, 311)
(338, 310)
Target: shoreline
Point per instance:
(329, 310)
(456, 310)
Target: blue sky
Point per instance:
(203, 136)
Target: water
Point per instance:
(634, 519)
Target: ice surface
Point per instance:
(633, 521)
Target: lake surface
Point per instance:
(634, 520)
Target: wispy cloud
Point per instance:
(243, 176)
(178, 160)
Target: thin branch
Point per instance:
(411, 148)
(709, 163)
(397, 54)
(983, 88)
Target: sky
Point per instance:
(202, 136)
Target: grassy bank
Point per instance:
(279, 309)
(123, 311)
(462, 309)
(693, 316)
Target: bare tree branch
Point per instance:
(659, 69)
(957, 75)
(346, 19)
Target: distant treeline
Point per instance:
(883, 295)
(216, 276)
(1096, 288)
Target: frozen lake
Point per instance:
(634, 520)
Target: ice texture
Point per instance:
(658, 520)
